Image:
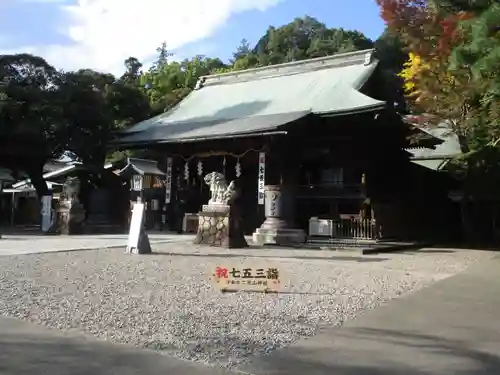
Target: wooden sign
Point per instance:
(247, 278)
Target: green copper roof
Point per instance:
(263, 99)
(434, 164)
(437, 158)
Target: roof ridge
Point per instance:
(364, 57)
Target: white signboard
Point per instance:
(261, 177)
(135, 227)
(168, 181)
(46, 212)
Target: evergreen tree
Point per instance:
(163, 55)
(242, 50)
(480, 50)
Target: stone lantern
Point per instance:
(145, 177)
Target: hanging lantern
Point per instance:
(237, 168)
(186, 171)
(200, 168)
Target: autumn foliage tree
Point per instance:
(451, 74)
(454, 61)
(480, 50)
(431, 87)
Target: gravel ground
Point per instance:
(166, 302)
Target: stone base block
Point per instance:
(283, 237)
(218, 228)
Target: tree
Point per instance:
(303, 38)
(390, 51)
(431, 87)
(448, 76)
(307, 37)
(249, 61)
(95, 106)
(168, 83)
(163, 55)
(29, 120)
(242, 50)
(132, 71)
(480, 50)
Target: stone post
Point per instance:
(277, 228)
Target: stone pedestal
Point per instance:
(70, 218)
(220, 225)
(277, 228)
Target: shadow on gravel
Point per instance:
(223, 255)
(430, 355)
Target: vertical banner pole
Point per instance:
(261, 177)
(168, 181)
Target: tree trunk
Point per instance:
(35, 173)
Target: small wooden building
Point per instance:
(320, 127)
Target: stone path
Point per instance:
(32, 244)
(27, 349)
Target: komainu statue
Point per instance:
(219, 221)
(221, 192)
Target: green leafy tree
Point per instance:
(479, 50)
(132, 71)
(163, 55)
(95, 106)
(305, 38)
(242, 50)
(168, 83)
(29, 120)
(390, 50)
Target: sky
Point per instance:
(101, 34)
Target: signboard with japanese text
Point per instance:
(168, 181)
(248, 278)
(262, 177)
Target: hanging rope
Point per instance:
(215, 153)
